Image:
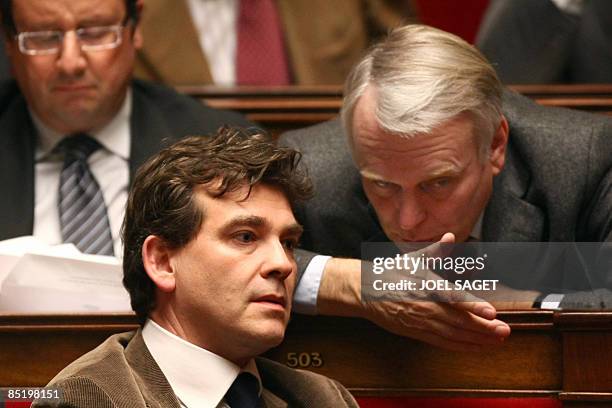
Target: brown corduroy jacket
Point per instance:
(324, 39)
(121, 373)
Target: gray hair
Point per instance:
(424, 77)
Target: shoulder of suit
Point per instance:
(173, 103)
(323, 135)
(545, 129)
(300, 384)
(9, 93)
(92, 365)
(164, 96)
(523, 111)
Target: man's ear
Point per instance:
(156, 260)
(497, 155)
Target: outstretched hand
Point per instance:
(455, 321)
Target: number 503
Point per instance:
(304, 360)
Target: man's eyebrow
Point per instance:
(369, 175)
(294, 229)
(98, 20)
(245, 221)
(445, 171)
(255, 221)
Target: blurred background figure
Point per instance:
(461, 18)
(549, 41)
(5, 70)
(260, 42)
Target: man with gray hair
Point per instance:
(433, 145)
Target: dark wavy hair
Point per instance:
(161, 201)
(8, 23)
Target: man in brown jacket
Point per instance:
(209, 235)
(322, 39)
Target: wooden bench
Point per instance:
(560, 355)
(285, 108)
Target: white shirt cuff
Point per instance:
(305, 296)
(570, 6)
(552, 301)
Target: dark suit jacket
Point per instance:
(532, 41)
(158, 113)
(556, 184)
(122, 373)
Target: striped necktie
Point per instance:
(83, 216)
(244, 392)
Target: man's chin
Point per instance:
(265, 340)
(79, 119)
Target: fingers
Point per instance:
(448, 238)
(441, 248)
(440, 324)
(448, 321)
(450, 337)
(462, 335)
(453, 335)
(479, 308)
(477, 316)
(474, 324)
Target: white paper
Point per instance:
(35, 277)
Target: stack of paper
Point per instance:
(38, 278)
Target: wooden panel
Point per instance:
(284, 108)
(563, 355)
(365, 358)
(564, 90)
(35, 348)
(588, 357)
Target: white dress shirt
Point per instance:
(109, 165)
(570, 6)
(198, 377)
(215, 22)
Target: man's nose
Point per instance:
(71, 60)
(278, 261)
(411, 211)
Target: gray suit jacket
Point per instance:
(122, 373)
(556, 186)
(158, 113)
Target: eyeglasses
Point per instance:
(50, 42)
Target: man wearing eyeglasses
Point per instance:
(74, 126)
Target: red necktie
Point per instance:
(260, 56)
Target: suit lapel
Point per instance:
(509, 216)
(154, 386)
(270, 400)
(17, 149)
(147, 130)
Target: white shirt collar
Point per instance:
(198, 377)
(114, 137)
(476, 233)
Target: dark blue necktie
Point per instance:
(244, 392)
(83, 215)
